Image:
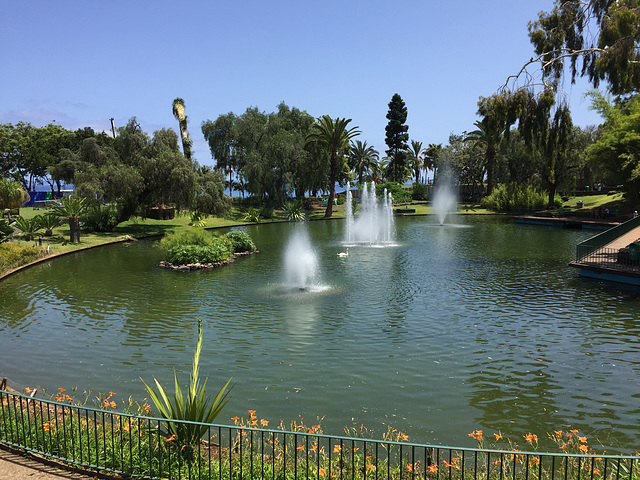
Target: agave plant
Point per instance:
(5, 229)
(193, 406)
(28, 226)
(251, 215)
(294, 212)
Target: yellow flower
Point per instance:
(498, 435)
(46, 426)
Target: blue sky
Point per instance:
(82, 62)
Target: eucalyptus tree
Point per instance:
(179, 113)
(334, 136)
(363, 159)
(396, 139)
(416, 154)
(221, 135)
(604, 34)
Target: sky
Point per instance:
(80, 63)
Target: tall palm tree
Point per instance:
(416, 158)
(489, 136)
(362, 158)
(334, 136)
(178, 112)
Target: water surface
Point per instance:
(478, 324)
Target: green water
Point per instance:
(478, 324)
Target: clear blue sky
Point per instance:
(81, 62)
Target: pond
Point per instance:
(477, 324)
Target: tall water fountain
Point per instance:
(445, 199)
(374, 225)
(300, 261)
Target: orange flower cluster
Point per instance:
(476, 435)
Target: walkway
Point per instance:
(14, 466)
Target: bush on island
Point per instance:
(200, 246)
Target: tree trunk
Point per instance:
(74, 229)
(552, 194)
(332, 184)
(491, 160)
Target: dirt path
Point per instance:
(14, 466)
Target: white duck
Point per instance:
(344, 254)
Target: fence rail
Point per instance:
(141, 447)
(596, 242)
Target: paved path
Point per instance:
(19, 467)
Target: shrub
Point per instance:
(13, 255)
(251, 215)
(184, 254)
(101, 219)
(507, 198)
(240, 241)
(395, 189)
(186, 237)
(294, 211)
(27, 226)
(419, 192)
(266, 212)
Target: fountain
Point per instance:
(374, 225)
(444, 197)
(300, 262)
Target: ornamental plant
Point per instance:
(192, 406)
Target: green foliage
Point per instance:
(13, 255)
(419, 191)
(294, 212)
(266, 212)
(194, 406)
(251, 215)
(5, 229)
(101, 219)
(396, 139)
(395, 189)
(513, 197)
(28, 226)
(186, 237)
(48, 222)
(12, 195)
(218, 251)
(240, 241)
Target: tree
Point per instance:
(416, 158)
(221, 135)
(432, 156)
(363, 159)
(499, 112)
(12, 195)
(604, 34)
(334, 136)
(615, 153)
(396, 139)
(178, 112)
(72, 208)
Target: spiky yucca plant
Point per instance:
(194, 406)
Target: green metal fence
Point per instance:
(596, 242)
(139, 446)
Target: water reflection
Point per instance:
(452, 330)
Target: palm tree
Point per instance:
(488, 136)
(72, 208)
(333, 136)
(362, 158)
(416, 158)
(178, 112)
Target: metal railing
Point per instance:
(139, 446)
(596, 242)
(611, 258)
